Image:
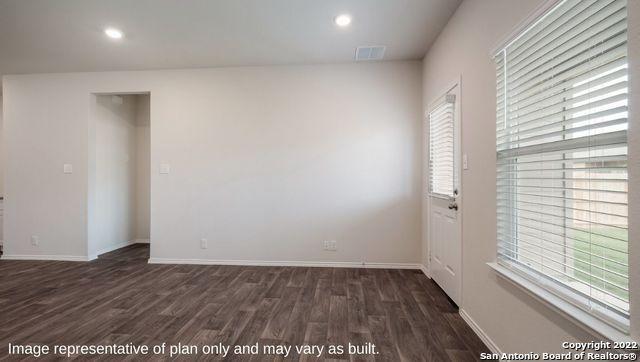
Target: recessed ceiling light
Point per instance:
(113, 33)
(342, 20)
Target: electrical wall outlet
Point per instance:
(204, 244)
(330, 245)
(165, 168)
(35, 240)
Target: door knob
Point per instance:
(453, 206)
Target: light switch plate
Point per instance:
(165, 168)
(465, 162)
(67, 168)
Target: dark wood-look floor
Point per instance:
(119, 298)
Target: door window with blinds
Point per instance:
(562, 156)
(442, 148)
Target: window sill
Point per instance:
(576, 315)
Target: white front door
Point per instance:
(445, 244)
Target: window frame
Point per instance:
(452, 87)
(605, 329)
(451, 98)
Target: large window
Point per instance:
(562, 156)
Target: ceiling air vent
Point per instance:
(370, 53)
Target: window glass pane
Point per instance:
(441, 148)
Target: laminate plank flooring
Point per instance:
(120, 298)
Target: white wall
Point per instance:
(116, 168)
(463, 50)
(1, 154)
(266, 162)
(1, 172)
(45, 128)
(143, 167)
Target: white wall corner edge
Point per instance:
(484, 337)
(319, 264)
(425, 270)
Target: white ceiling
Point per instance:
(67, 35)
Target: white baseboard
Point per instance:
(483, 336)
(73, 257)
(45, 257)
(425, 271)
(286, 263)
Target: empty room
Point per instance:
(361, 180)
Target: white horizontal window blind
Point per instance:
(441, 148)
(562, 155)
